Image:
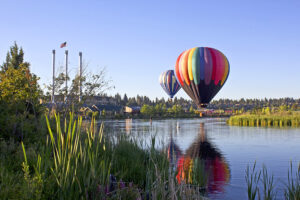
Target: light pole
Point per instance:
(53, 76)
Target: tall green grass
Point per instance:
(272, 120)
(79, 162)
(254, 178)
(292, 190)
(269, 192)
(260, 184)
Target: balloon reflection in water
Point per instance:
(202, 165)
(174, 153)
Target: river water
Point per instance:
(227, 150)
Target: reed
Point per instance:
(268, 185)
(292, 190)
(271, 120)
(80, 163)
(260, 185)
(87, 164)
(252, 178)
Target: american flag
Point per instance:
(63, 45)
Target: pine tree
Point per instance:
(14, 58)
(125, 99)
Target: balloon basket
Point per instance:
(202, 111)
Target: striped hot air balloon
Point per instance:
(169, 83)
(201, 72)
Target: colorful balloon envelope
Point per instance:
(169, 83)
(201, 72)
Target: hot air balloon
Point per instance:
(169, 83)
(201, 72)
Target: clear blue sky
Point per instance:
(137, 40)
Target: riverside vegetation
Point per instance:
(266, 117)
(76, 164)
(46, 156)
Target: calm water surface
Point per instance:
(229, 149)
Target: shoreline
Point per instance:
(158, 118)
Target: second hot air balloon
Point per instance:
(201, 72)
(169, 83)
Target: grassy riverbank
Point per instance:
(282, 119)
(73, 162)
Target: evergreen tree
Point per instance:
(17, 83)
(125, 99)
(118, 98)
(19, 95)
(14, 58)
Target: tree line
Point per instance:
(224, 104)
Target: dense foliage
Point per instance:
(19, 96)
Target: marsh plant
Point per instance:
(75, 162)
(260, 184)
(267, 180)
(252, 178)
(291, 119)
(292, 190)
(256, 177)
(79, 162)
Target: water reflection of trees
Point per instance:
(202, 164)
(128, 125)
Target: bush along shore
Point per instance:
(287, 119)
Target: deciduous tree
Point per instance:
(19, 94)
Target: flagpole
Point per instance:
(66, 57)
(80, 76)
(53, 77)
